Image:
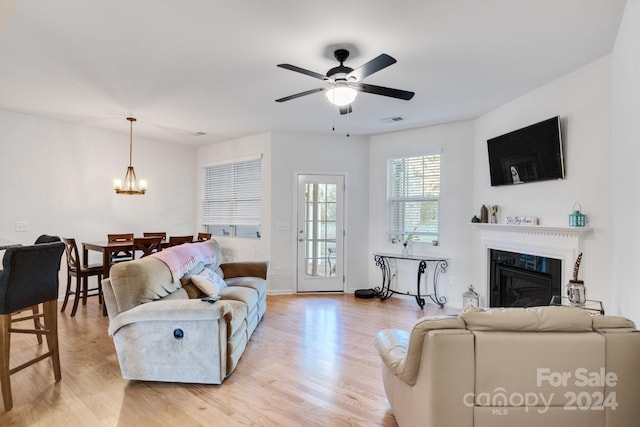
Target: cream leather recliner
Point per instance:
(543, 366)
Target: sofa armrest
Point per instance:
(391, 345)
(401, 351)
(180, 310)
(244, 269)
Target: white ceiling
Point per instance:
(209, 66)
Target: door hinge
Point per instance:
(344, 279)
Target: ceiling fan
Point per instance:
(345, 82)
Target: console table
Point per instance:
(438, 265)
(593, 306)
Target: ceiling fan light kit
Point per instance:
(345, 82)
(341, 94)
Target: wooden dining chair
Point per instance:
(178, 240)
(204, 236)
(146, 245)
(29, 278)
(120, 255)
(162, 234)
(77, 269)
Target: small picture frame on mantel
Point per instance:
(521, 220)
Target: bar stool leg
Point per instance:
(5, 341)
(51, 326)
(36, 321)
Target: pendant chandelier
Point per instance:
(130, 184)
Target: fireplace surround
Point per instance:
(559, 243)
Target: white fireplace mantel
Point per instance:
(534, 229)
(563, 243)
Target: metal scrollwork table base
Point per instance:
(439, 265)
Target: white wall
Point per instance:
(454, 141)
(295, 153)
(58, 177)
(626, 152)
(583, 101)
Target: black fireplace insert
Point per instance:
(522, 280)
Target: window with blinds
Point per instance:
(413, 197)
(232, 199)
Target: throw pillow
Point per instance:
(195, 270)
(215, 277)
(206, 285)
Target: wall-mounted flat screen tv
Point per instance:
(533, 153)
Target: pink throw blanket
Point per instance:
(182, 258)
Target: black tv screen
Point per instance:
(533, 153)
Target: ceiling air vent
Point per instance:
(392, 119)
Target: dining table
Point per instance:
(107, 249)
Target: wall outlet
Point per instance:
(22, 226)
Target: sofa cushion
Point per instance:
(536, 319)
(612, 323)
(143, 280)
(257, 283)
(240, 293)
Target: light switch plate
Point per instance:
(22, 226)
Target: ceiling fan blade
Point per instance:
(384, 91)
(346, 109)
(376, 64)
(298, 95)
(303, 71)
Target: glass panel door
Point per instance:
(320, 233)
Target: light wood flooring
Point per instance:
(310, 362)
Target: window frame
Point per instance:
(397, 228)
(232, 197)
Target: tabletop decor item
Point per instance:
(406, 244)
(577, 218)
(484, 214)
(521, 220)
(575, 287)
(470, 298)
(494, 214)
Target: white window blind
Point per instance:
(413, 197)
(232, 193)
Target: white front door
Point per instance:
(320, 233)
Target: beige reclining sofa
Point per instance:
(536, 367)
(161, 328)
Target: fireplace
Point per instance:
(522, 280)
